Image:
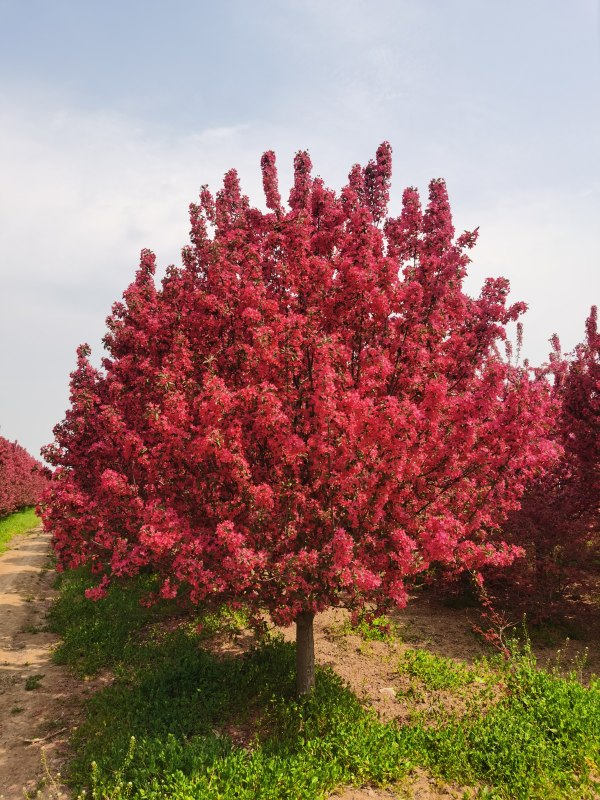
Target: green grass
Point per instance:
(99, 635)
(541, 739)
(178, 722)
(21, 522)
(434, 671)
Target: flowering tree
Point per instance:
(22, 478)
(308, 413)
(559, 522)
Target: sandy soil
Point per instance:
(38, 700)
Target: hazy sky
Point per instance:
(113, 114)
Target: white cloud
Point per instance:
(82, 194)
(546, 242)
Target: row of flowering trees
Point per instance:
(309, 412)
(22, 478)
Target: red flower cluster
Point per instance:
(309, 412)
(22, 478)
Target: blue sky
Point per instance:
(112, 115)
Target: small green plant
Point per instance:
(49, 783)
(372, 628)
(119, 787)
(17, 710)
(33, 682)
(32, 629)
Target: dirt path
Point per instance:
(37, 698)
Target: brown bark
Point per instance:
(305, 653)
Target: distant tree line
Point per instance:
(22, 478)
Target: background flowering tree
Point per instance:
(559, 522)
(308, 413)
(22, 478)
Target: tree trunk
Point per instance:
(305, 653)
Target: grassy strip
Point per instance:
(172, 723)
(541, 738)
(20, 522)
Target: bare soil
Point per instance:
(36, 722)
(38, 699)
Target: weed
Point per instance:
(49, 782)
(32, 629)
(33, 682)
(371, 628)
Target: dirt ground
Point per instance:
(40, 702)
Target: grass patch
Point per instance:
(169, 730)
(435, 672)
(180, 722)
(541, 739)
(20, 522)
(104, 634)
(554, 633)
